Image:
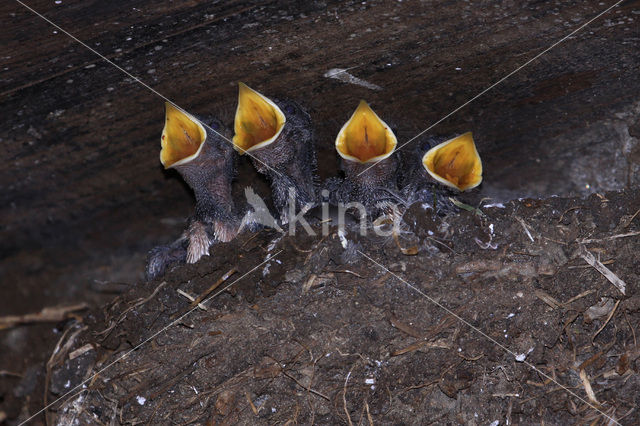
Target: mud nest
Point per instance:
(526, 312)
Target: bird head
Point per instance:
(183, 137)
(365, 138)
(258, 122)
(455, 163)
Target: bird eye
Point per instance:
(289, 109)
(215, 125)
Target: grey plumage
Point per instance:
(415, 184)
(290, 160)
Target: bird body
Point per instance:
(278, 135)
(366, 145)
(205, 160)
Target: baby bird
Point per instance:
(435, 168)
(278, 136)
(205, 160)
(366, 145)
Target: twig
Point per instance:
(635, 343)
(202, 296)
(313, 373)
(190, 298)
(435, 240)
(606, 262)
(139, 302)
(81, 350)
(213, 287)
(627, 413)
(467, 358)
(4, 373)
(420, 386)
(146, 299)
(381, 280)
(590, 360)
(607, 321)
(606, 272)
(281, 369)
(346, 271)
(344, 396)
(249, 239)
(526, 228)
(48, 314)
(466, 207)
(251, 404)
(611, 237)
(631, 219)
(298, 249)
(406, 328)
(546, 298)
(369, 418)
(568, 210)
(307, 284)
(56, 357)
(555, 241)
(421, 344)
(579, 296)
(307, 388)
(588, 389)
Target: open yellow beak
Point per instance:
(258, 120)
(365, 138)
(455, 163)
(182, 137)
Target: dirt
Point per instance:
(497, 317)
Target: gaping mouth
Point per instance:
(455, 163)
(365, 138)
(258, 120)
(182, 137)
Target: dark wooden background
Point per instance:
(83, 195)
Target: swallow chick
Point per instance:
(277, 134)
(205, 160)
(448, 166)
(366, 145)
